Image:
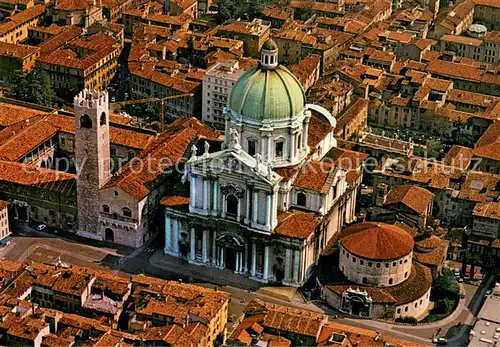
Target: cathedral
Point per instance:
(269, 201)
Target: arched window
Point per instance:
(126, 212)
(252, 146)
(103, 119)
(232, 205)
(390, 280)
(365, 281)
(301, 199)
(299, 141)
(85, 122)
(112, 150)
(105, 208)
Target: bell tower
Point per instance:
(92, 156)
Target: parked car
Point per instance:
(113, 99)
(460, 280)
(41, 227)
(489, 291)
(440, 340)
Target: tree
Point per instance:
(34, 87)
(225, 10)
(254, 8)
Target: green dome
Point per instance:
(267, 94)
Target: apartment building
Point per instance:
(178, 7)
(113, 10)
(4, 223)
(217, 84)
(79, 13)
(253, 34)
(15, 28)
(85, 62)
(16, 58)
(61, 305)
(484, 49)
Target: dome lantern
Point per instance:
(269, 55)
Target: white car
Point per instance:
(41, 227)
(113, 99)
(489, 291)
(440, 341)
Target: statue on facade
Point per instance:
(207, 148)
(258, 160)
(194, 151)
(234, 142)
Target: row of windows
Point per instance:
(125, 211)
(370, 264)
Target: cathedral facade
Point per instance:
(270, 200)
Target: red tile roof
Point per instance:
(296, 224)
(416, 198)
(163, 153)
(377, 241)
(316, 176)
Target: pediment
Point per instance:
(233, 162)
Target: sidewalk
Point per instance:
(197, 273)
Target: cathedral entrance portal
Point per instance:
(231, 259)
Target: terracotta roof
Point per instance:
(360, 337)
(488, 143)
(319, 128)
(162, 153)
(416, 198)
(286, 319)
(17, 51)
(11, 114)
(296, 224)
(377, 241)
(415, 286)
(175, 201)
(32, 175)
(489, 210)
(459, 156)
(20, 18)
(316, 176)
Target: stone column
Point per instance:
(292, 146)
(296, 264)
(247, 206)
(214, 247)
(175, 232)
(268, 210)
(305, 133)
(204, 247)
(215, 207)
(265, 274)
(217, 253)
(222, 259)
(192, 244)
(238, 210)
(237, 267)
(245, 258)
(224, 207)
(255, 211)
(288, 263)
(193, 191)
(241, 261)
(205, 194)
(253, 270)
(269, 148)
(168, 235)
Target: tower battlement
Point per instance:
(91, 99)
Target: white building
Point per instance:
(265, 205)
(4, 223)
(217, 84)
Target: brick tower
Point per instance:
(92, 157)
